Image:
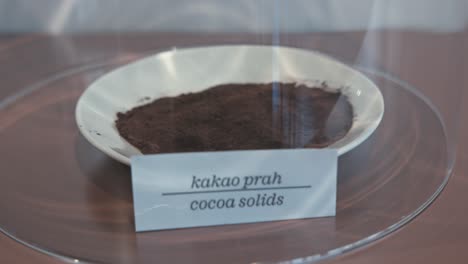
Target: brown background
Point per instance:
(440, 233)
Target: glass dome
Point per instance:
(65, 196)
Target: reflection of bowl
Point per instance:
(175, 72)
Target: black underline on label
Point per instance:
(240, 190)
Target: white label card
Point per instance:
(217, 188)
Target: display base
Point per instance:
(64, 197)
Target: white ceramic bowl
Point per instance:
(175, 72)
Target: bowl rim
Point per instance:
(372, 126)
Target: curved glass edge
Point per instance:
(309, 259)
(405, 220)
(9, 100)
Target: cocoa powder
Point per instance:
(239, 117)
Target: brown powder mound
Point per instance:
(239, 117)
